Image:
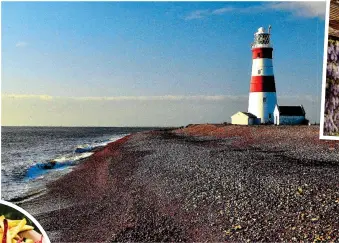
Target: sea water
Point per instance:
(26, 150)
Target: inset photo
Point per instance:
(16, 225)
(330, 104)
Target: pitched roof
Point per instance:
(291, 110)
(249, 114)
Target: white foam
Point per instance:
(101, 144)
(79, 156)
(73, 157)
(115, 138)
(84, 146)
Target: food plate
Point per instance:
(18, 226)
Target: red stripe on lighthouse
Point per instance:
(262, 52)
(262, 84)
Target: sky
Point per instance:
(152, 63)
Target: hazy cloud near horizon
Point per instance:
(43, 110)
(298, 9)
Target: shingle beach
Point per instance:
(201, 183)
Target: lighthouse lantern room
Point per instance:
(262, 97)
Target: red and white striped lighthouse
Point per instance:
(262, 98)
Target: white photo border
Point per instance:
(323, 89)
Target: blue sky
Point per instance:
(81, 50)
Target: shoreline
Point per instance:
(64, 163)
(202, 182)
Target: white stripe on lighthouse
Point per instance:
(262, 62)
(262, 67)
(262, 71)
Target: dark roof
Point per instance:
(249, 114)
(291, 110)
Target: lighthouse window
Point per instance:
(264, 99)
(259, 71)
(258, 55)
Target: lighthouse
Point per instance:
(262, 102)
(262, 97)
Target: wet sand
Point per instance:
(201, 183)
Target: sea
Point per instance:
(31, 157)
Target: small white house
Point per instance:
(289, 115)
(244, 118)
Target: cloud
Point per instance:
(198, 14)
(168, 110)
(298, 9)
(27, 96)
(162, 98)
(213, 98)
(21, 44)
(301, 9)
(220, 11)
(130, 98)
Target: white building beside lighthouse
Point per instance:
(263, 106)
(289, 115)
